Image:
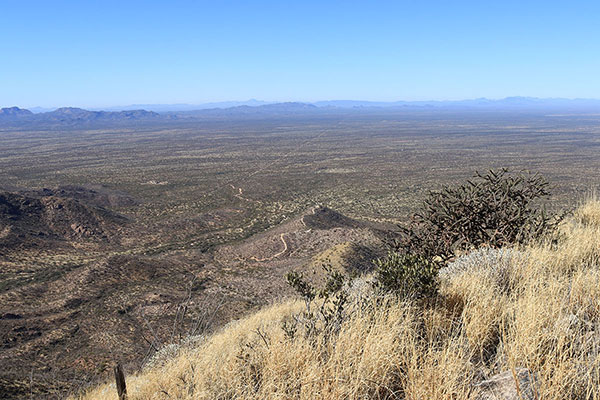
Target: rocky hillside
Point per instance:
(105, 301)
(512, 323)
(47, 219)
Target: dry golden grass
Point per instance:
(539, 311)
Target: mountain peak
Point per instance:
(71, 111)
(14, 112)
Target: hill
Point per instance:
(527, 315)
(48, 220)
(14, 112)
(106, 300)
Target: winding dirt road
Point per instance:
(285, 248)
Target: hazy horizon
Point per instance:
(114, 54)
(258, 102)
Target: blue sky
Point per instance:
(103, 53)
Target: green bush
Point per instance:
(406, 275)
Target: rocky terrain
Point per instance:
(71, 321)
(54, 219)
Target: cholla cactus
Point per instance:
(496, 209)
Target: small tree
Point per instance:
(495, 209)
(325, 317)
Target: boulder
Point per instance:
(504, 386)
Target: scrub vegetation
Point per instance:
(531, 306)
(138, 242)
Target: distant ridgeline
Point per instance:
(70, 114)
(15, 116)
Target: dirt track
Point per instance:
(285, 247)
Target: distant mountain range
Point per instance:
(71, 115)
(13, 116)
(506, 103)
(148, 113)
(289, 108)
(185, 107)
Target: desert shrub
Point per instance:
(410, 276)
(495, 209)
(325, 307)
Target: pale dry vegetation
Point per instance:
(536, 307)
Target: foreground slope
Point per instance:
(536, 307)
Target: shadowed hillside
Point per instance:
(27, 221)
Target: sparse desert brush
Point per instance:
(535, 307)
